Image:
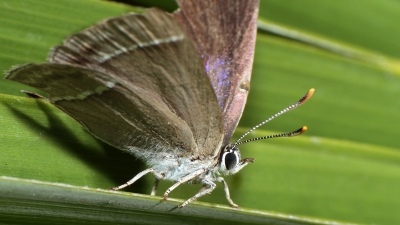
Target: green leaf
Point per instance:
(346, 167)
(63, 204)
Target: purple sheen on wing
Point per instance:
(217, 66)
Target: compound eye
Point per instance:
(231, 159)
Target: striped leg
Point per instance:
(203, 191)
(226, 189)
(158, 176)
(183, 180)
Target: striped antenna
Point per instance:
(289, 134)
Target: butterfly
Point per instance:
(167, 88)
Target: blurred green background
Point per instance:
(345, 167)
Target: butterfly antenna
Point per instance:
(289, 134)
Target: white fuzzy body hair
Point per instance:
(174, 168)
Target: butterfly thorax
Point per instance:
(174, 167)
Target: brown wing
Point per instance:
(135, 82)
(224, 32)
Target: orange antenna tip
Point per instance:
(299, 131)
(307, 96)
(304, 129)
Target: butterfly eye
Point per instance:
(231, 159)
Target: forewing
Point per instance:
(135, 82)
(224, 32)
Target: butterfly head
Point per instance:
(230, 161)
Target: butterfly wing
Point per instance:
(135, 82)
(224, 33)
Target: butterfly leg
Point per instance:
(207, 188)
(155, 185)
(226, 189)
(137, 177)
(183, 180)
(203, 188)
